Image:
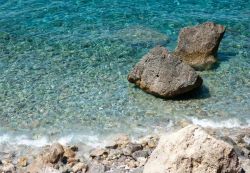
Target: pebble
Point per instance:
(98, 152)
(7, 167)
(96, 168)
(140, 153)
(142, 161)
(69, 153)
(131, 148)
(55, 152)
(152, 144)
(122, 140)
(114, 154)
(111, 145)
(23, 161)
(79, 167)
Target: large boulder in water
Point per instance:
(198, 45)
(192, 149)
(160, 74)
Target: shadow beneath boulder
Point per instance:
(200, 93)
(222, 57)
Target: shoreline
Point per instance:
(110, 156)
(95, 139)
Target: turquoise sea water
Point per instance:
(64, 65)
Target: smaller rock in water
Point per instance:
(162, 75)
(198, 45)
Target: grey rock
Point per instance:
(245, 165)
(198, 45)
(137, 170)
(130, 148)
(122, 159)
(65, 169)
(160, 74)
(96, 168)
(141, 153)
(111, 145)
(118, 170)
(98, 152)
(114, 154)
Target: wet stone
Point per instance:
(128, 150)
(122, 140)
(69, 153)
(111, 145)
(23, 161)
(98, 152)
(54, 154)
(141, 153)
(74, 148)
(96, 168)
(137, 170)
(114, 154)
(81, 167)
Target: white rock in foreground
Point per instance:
(192, 150)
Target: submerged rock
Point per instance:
(191, 149)
(141, 36)
(198, 45)
(160, 74)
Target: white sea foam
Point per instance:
(230, 123)
(11, 139)
(101, 141)
(90, 140)
(23, 140)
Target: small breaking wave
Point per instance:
(229, 123)
(13, 139)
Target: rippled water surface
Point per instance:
(64, 65)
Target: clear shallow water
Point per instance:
(64, 66)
